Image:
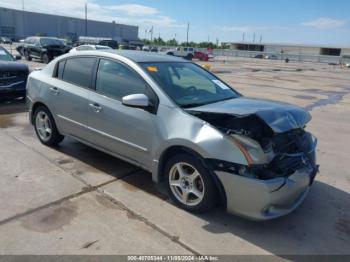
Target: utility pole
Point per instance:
(254, 38)
(260, 39)
(188, 30)
(86, 21)
(152, 33)
(23, 23)
(243, 37)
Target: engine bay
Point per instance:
(288, 151)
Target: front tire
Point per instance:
(189, 183)
(45, 127)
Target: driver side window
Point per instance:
(116, 80)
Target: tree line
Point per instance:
(173, 42)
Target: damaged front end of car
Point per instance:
(281, 159)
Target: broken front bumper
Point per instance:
(266, 199)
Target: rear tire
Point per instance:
(189, 183)
(27, 56)
(45, 127)
(189, 57)
(45, 58)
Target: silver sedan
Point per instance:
(208, 144)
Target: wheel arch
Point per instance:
(35, 106)
(172, 150)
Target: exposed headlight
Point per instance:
(251, 149)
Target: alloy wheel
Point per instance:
(43, 126)
(186, 183)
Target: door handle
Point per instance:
(97, 108)
(54, 90)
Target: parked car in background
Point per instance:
(89, 47)
(183, 124)
(150, 49)
(201, 56)
(146, 48)
(43, 48)
(13, 76)
(111, 43)
(259, 56)
(67, 42)
(154, 49)
(5, 40)
(345, 61)
(272, 57)
(184, 52)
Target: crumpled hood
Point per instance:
(280, 117)
(9, 66)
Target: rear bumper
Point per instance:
(266, 199)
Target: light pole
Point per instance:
(188, 29)
(86, 22)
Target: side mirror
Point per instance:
(17, 57)
(136, 100)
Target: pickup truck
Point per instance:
(185, 52)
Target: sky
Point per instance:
(318, 22)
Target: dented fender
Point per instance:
(198, 136)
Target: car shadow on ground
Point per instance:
(90, 159)
(321, 225)
(93, 159)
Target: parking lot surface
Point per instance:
(77, 200)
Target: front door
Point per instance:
(122, 130)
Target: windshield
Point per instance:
(5, 56)
(188, 84)
(50, 41)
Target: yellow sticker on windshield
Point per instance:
(152, 68)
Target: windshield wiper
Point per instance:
(206, 103)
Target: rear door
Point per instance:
(36, 48)
(122, 130)
(69, 95)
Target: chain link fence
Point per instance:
(226, 54)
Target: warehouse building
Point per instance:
(289, 49)
(18, 24)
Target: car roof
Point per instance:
(140, 57)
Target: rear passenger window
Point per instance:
(78, 71)
(116, 80)
(60, 68)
